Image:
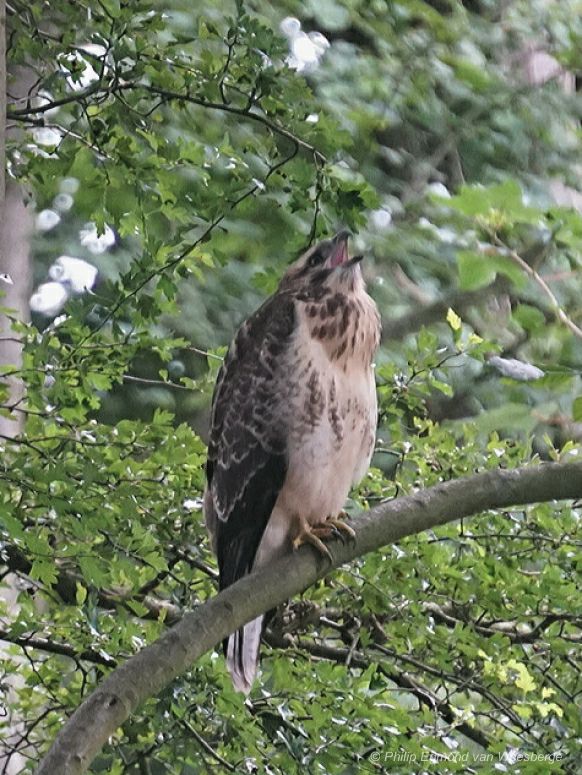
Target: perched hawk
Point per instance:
(293, 424)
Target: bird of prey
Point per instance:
(293, 424)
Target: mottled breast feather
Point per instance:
(247, 456)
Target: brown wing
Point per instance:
(247, 451)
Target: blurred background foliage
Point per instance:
(188, 154)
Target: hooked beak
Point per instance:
(339, 253)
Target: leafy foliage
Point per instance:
(186, 133)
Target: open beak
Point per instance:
(339, 253)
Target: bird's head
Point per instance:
(326, 265)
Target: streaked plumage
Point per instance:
(293, 423)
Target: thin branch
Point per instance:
(510, 630)
(157, 382)
(62, 649)
(244, 112)
(402, 679)
(77, 96)
(116, 88)
(531, 272)
(152, 669)
(66, 589)
(206, 747)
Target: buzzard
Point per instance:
(293, 424)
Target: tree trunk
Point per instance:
(15, 288)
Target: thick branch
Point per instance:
(146, 674)
(2, 101)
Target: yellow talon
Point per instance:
(313, 536)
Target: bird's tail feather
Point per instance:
(242, 654)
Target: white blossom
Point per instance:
(96, 243)
(69, 185)
(381, 218)
(49, 299)
(80, 275)
(47, 220)
(306, 49)
(87, 75)
(192, 504)
(63, 202)
(46, 135)
(439, 189)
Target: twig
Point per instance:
(403, 680)
(226, 108)
(531, 272)
(208, 748)
(159, 382)
(171, 263)
(62, 649)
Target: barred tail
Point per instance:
(242, 654)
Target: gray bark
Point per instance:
(15, 229)
(146, 674)
(2, 100)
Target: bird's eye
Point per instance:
(315, 259)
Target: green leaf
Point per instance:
(44, 571)
(506, 198)
(81, 594)
(524, 711)
(530, 318)
(99, 381)
(454, 320)
(11, 525)
(93, 571)
(475, 271)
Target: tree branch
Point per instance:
(531, 272)
(401, 679)
(62, 649)
(66, 588)
(227, 108)
(147, 673)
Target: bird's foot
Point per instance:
(312, 535)
(331, 527)
(340, 526)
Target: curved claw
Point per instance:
(331, 527)
(341, 527)
(313, 535)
